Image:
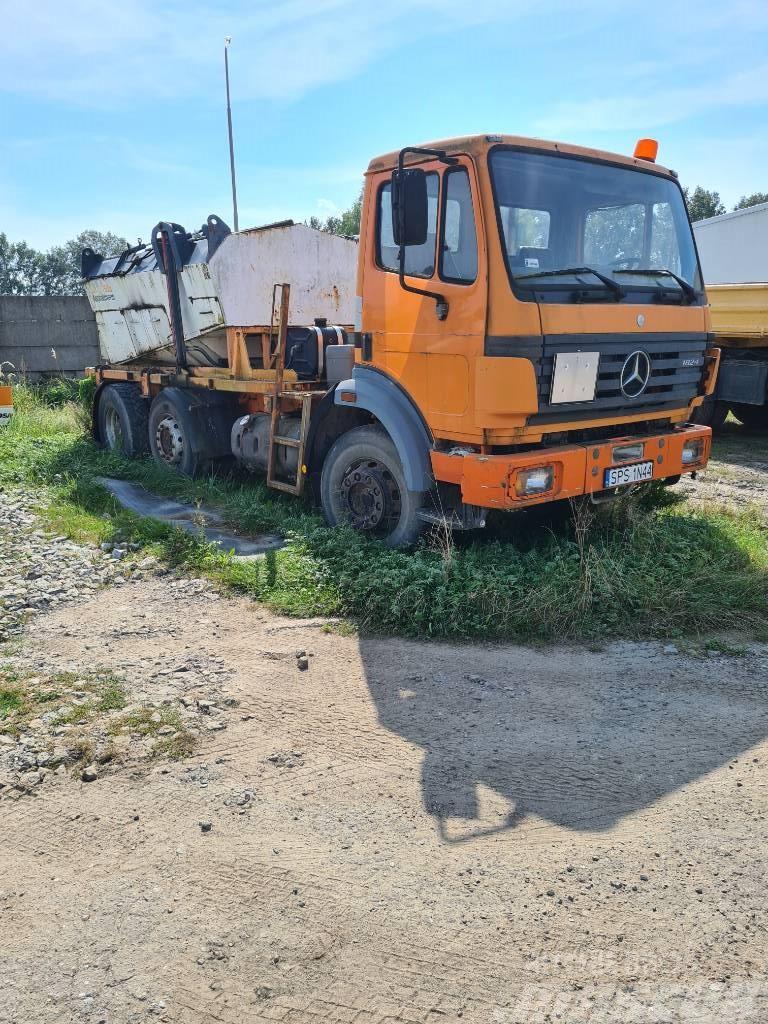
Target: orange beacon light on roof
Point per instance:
(647, 149)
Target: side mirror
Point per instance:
(409, 206)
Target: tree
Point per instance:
(702, 203)
(754, 200)
(63, 262)
(27, 271)
(20, 268)
(347, 223)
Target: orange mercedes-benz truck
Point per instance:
(530, 325)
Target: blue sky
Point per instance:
(112, 114)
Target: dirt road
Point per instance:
(400, 832)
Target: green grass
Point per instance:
(148, 721)
(658, 568)
(10, 700)
(106, 694)
(720, 646)
(21, 702)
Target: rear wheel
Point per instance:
(122, 420)
(362, 485)
(754, 417)
(171, 435)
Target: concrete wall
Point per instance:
(48, 334)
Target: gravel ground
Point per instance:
(737, 474)
(86, 715)
(367, 831)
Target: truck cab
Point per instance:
(545, 311)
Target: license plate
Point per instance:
(634, 474)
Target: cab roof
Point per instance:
(476, 145)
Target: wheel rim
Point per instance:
(370, 497)
(113, 430)
(169, 441)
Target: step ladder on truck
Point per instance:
(520, 322)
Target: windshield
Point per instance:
(568, 224)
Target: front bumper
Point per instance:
(489, 480)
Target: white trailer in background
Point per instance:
(733, 249)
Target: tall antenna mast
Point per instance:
(227, 41)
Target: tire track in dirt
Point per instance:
(466, 830)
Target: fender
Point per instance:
(373, 391)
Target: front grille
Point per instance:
(671, 386)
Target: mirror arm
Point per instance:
(441, 303)
(439, 154)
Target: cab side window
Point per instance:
(419, 259)
(458, 236)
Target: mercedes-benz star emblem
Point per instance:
(635, 374)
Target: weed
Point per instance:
(106, 694)
(175, 747)
(81, 751)
(653, 567)
(75, 715)
(342, 627)
(10, 700)
(22, 700)
(45, 696)
(111, 696)
(720, 646)
(147, 721)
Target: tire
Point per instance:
(362, 484)
(754, 417)
(711, 413)
(172, 435)
(122, 420)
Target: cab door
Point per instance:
(432, 358)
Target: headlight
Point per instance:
(535, 481)
(692, 451)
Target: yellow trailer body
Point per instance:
(739, 313)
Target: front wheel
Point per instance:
(362, 485)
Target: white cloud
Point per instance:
(98, 53)
(326, 208)
(665, 104)
(731, 165)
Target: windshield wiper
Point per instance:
(614, 286)
(687, 289)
